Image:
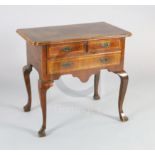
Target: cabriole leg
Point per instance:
(26, 72)
(96, 85)
(123, 87)
(43, 87)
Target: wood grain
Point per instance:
(83, 62)
(98, 45)
(71, 33)
(59, 51)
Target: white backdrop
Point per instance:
(78, 122)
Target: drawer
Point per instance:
(63, 50)
(86, 62)
(104, 45)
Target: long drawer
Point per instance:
(89, 61)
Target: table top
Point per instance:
(71, 33)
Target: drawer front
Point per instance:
(85, 62)
(63, 50)
(104, 45)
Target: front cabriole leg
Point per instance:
(43, 86)
(26, 72)
(123, 87)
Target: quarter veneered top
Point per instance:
(71, 33)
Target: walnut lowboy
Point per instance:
(80, 50)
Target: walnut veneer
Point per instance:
(80, 50)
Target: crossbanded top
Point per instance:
(71, 33)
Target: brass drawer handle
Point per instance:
(67, 49)
(67, 64)
(105, 44)
(104, 60)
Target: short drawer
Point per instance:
(63, 50)
(86, 62)
(104, 45)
